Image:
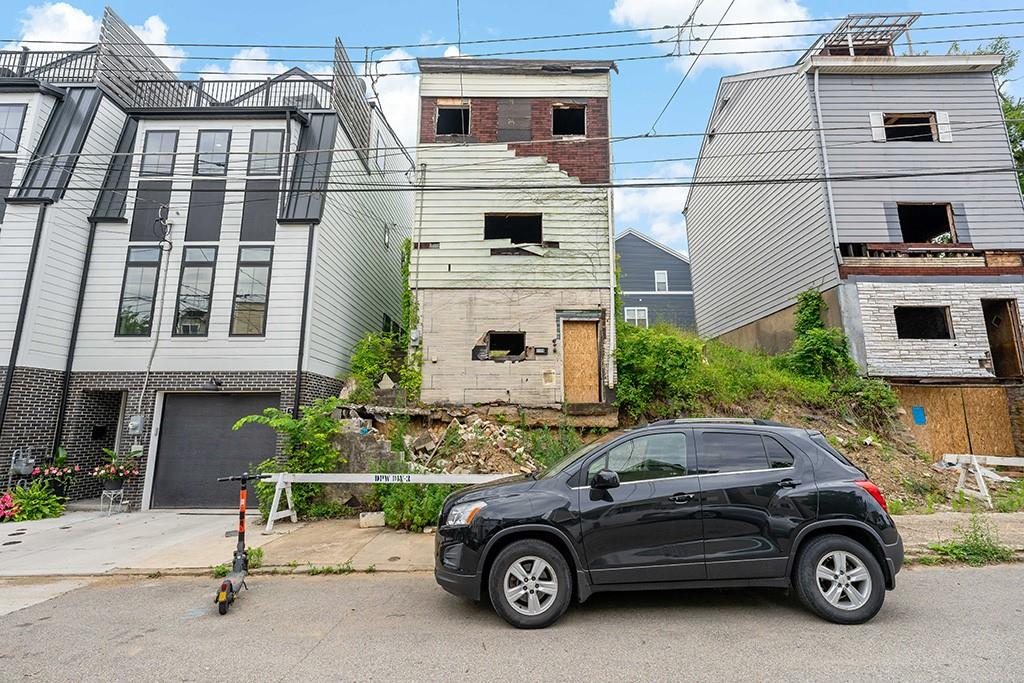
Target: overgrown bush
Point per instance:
(308, 447)
(372, 358)
(810, 306)
(656, 368)
(548, 446)
(36, 501)
(822, 353)
(975, 544)
(409, 506)
(870, 399)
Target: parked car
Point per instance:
(675, 504)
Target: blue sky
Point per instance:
(639, 92)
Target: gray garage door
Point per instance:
(197, 446)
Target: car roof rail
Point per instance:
(719, 420)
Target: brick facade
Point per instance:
(31, 411)
(588, 160)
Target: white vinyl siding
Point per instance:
(513, 85)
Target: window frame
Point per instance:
(124, 283)
(279, 155)
(568, 106)
(625, 315)
(173, 154)
(469, 119)
(227, 153)
(660, 272)
(239, 263)
(947, 311)
(950, 215)
(21, 129)
(181, 274)
(933, 123)
(582, 476)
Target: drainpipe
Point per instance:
(66, 384)
(304, 321)
(5, 397)
(828, 175)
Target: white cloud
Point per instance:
(641, 13)
(655, 211)
(452, 51)
(397, 93)
(61, 21)
(244, 64)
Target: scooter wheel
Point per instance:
(222, 607)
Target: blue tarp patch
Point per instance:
(918, 413)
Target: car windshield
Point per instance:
(573, 457)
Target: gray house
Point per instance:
(886, 181)
(654, 281)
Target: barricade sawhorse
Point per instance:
(284, 480)
(975, 464)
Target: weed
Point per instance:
(371, 569)
(255, 556)
(293, 564)
(221, 570)
(1011, 500)
(975, 544)
(342, 569)
(549, 446)
(897, 507)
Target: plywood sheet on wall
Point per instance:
(988, 419)
(581, 367)
(958, 419)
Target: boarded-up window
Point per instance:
(520, 228)
(259, 212)
(150, 201)
(923, 322)
(453, 120)
(205, 211)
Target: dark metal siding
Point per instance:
(259, 212)
(110, 203)
(48, 174)
(675, 309)
(305, 201)
(151, 195)
(205, 211)
(639, 259)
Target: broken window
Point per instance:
(569, 120)
(923, 322)
(519, 228)
(453, 120)
(926, 223)
(501, 346)
(910, 127)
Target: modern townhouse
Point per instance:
(886, 181)
(179, 254)
(654, 282)
(513, 239)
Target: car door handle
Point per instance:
(789, 483)
(681, 498)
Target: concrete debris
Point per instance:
(473, 446)
(370, 520)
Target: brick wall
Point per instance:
(31, 411)
(887, 355)
(90, 425)
(589, 160)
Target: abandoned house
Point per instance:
(912, 224)
(515, 285)
(654, 282)
(194, 266)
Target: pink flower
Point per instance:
(35, 471)
(77, 468)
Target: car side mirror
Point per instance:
(605, 479)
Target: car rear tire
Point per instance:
(530, 584)
(839, 579)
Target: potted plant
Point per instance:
(57, 475)
(116, 469)
(8, 508)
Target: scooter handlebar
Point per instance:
(240, 477)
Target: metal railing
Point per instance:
(56, 67)
(299, 93)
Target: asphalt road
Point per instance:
(950, 624)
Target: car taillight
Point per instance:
(875, 492)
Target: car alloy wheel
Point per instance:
(843, 580)
(530, 585)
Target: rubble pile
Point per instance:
(474, 446)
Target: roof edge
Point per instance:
(654, 243)
(552, 67)
(902, 63)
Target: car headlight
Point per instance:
(463, 513)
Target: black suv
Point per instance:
(675, 504)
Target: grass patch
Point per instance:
(975, 544)
(1011, 500)
(341, 569)
(255, 557)
(221, 570)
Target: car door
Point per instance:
(757, 490)
(647, 529)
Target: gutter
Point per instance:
(828, 176)
(305, 319)
(5, 397)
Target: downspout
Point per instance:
(73, 343)
(22, 311)
(614, 311)
(305, 319)
(828, 177)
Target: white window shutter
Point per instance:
(877, 126)
(945, 130)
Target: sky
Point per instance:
(640, 89)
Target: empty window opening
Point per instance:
(519, 228)
(1004, 336)
(853, 249)
(923, 322)
(501, 346)
(569, 120)
(453, 120)
(911, 127)
(926, 223)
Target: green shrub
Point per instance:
(821, 353)
(656, 368)
(976, 544)
(810, 305)
(549, 446)
(868, 398)
(409, 506)
(308, 447)
(221, 570)
(36, 501)
(372, 358)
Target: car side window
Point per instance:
(778, 455)
(655, 456)
(732, 452)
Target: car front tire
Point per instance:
(839, 579)
(530, 584)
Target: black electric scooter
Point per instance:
(235, 581)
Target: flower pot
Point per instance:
(59, 488)
(113, 484)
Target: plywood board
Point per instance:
(945, 426)
(580, 367)
(988, 420)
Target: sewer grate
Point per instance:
(10, 542)
(17, 533)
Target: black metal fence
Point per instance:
(298, 92)
(55, 67)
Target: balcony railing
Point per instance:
(55, 67)
(299, 93)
